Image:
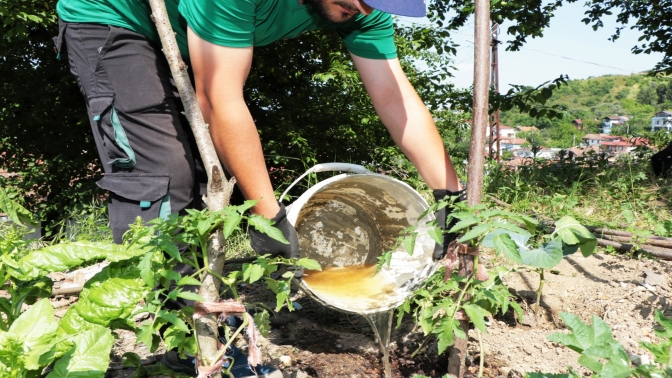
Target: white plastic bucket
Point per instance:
(349, 220)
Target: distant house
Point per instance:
(526, 129)
(615, 120)
(592, 139)
(509, 144)
(504, 132)
(578, 124)
(662, 121)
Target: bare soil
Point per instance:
(319, 342)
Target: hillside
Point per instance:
(636, 96)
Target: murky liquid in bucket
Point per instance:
(357, 288)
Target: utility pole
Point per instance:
(495, 153)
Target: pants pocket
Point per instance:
(135, 195)
(115, 141)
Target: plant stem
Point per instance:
(228, 342)
(542, 280)
(480, 348)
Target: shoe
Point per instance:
(173, 361)
(241, 369)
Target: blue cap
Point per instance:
(410, 8)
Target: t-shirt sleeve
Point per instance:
(224, 23)
(370, 36)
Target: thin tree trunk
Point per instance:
(458, 352)
(219, 188)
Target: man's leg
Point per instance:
(135, 112)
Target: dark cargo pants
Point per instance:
(151, 162)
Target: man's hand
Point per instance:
(266, 245)
(441, 216)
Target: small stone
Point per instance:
(339, 346)
(624, 285)
(649, 287)
(286, 360)
(639, 360)
(653, 279)
(529, 320)
(300, 374)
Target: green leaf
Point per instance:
(173, 337)
(264, 225)
(309, 264)
(476, 315)
(171, 275)
(89, 358)
(188, 280)
(63, 256)
(130, 359)
(546, 375)
(582, 336)
(664, 322)
(546, 257)
(253, 272)
(172, 318)
(409, 243)
(36, 330)
(16, 213)
(464, 223)
(190, 296)
(231, 221)
(475, 232)
(504, 244)
(11, 354)
(617, 361)
(170, 248)
(436, 234)
(146, 335)
(572, 232)
(147, 273)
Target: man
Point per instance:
(150, 160)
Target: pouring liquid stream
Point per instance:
(359, 289)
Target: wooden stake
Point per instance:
(219, 189)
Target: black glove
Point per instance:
(441, 216)
(265, 245)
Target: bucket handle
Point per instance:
(327, 167)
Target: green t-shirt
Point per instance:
(237, 23)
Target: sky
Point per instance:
(568, 47)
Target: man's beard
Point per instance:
(320, 7)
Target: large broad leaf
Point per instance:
(11, 355)
(546, 257)
(617, 361)
(36, 330)
(89, 358)
(572, 232)
(583, 336)
(63, 256)
(519, 239)
(109, 297)
(512, 244)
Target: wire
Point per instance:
(565, 57)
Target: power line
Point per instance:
(559, 56)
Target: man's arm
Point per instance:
(220, 73)
(408, 120)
